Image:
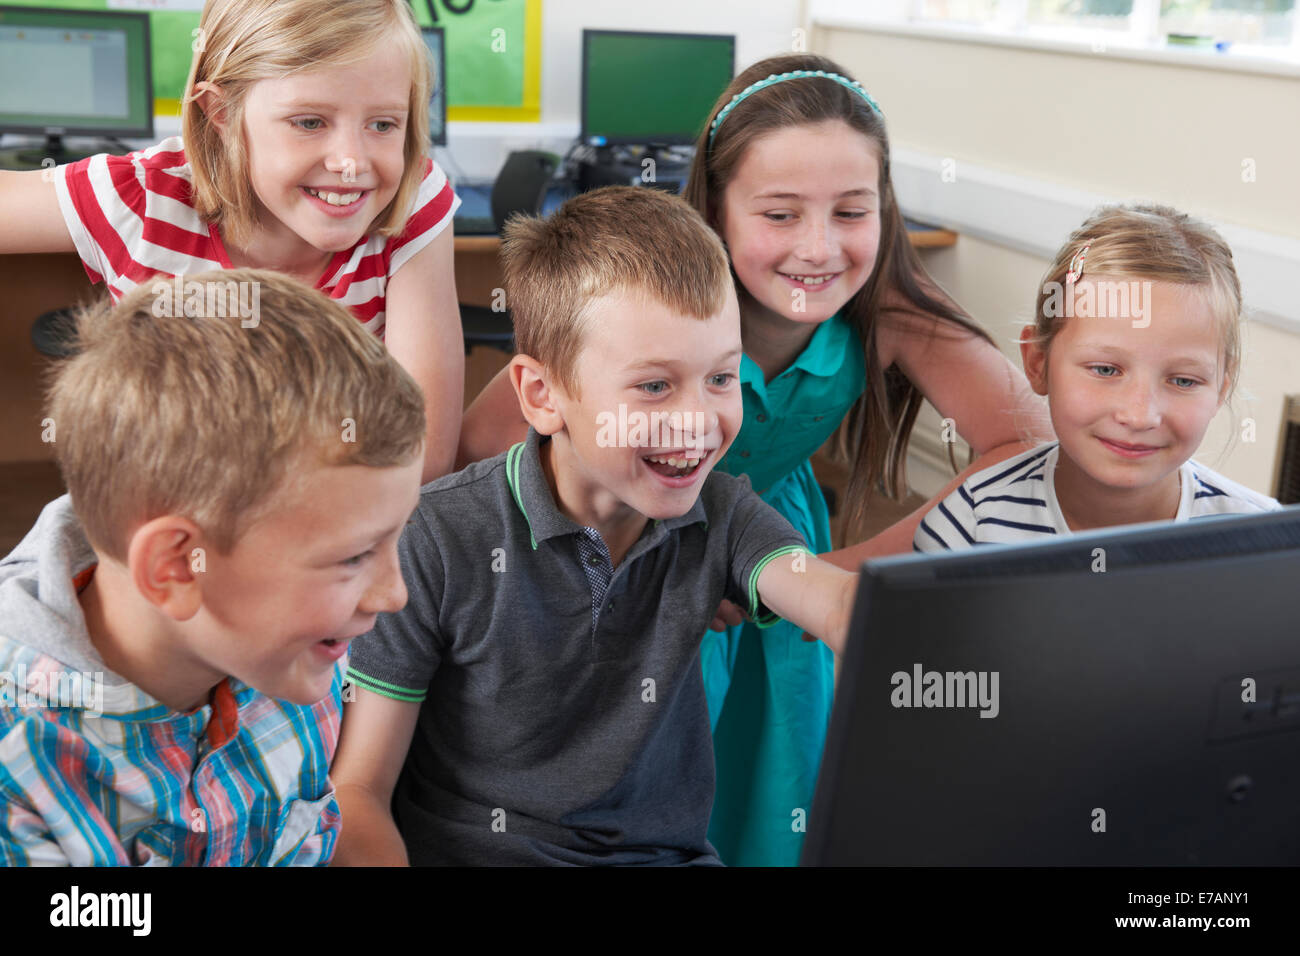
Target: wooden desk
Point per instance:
(932, 238)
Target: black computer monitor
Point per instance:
(1127, 697)
(651, 88)
(435, 40)
(74, 72)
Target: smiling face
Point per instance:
(677, 378)
(325, 150)
(1131, 404)
(801, 219)
(279, 609)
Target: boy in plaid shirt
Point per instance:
(175, 628)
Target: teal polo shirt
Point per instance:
(790, 417)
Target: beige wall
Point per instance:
(1116, 127)
(1093, 122)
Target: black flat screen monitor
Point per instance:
(1126, 697)
(435, 40)
(74, 72)
(651, 88)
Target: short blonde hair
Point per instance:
(244, 41)
(1155, 242)
(619, 238)
(203, 417)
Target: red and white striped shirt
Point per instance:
(131, 219)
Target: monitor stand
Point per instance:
(25, 158)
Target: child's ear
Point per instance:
(1034, 359)
(212, 100)
(537, 397)
(164, 561)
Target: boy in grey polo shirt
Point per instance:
(539, 700)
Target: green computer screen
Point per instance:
(651, 87)
(76, 70)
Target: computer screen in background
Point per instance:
(436, 42)
(651, 88)
(74, 72)
(1128, 697)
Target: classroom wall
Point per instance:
(1122, 128)
(477, 150)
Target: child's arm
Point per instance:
(965, 377)
(423, 332)
(30, 220)
(811, 594)
(493, 422)
(375, 736)
(898, 537)
(968, 380)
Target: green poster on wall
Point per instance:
(493, 51)
(493, 56)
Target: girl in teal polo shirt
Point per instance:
(838, 319)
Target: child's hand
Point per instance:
(728, 616)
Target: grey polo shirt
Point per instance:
(562, 710)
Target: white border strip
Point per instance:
(1034, 217)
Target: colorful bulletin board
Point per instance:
(494, 51)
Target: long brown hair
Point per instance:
(876, 431)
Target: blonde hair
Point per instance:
(618, 238)
(876, 431)
(1155, 242)
(200, 416)
(244, 41)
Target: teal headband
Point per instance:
(774, 78)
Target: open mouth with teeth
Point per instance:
(333, 198)
(680, 465)
(811, 281)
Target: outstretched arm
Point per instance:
(811, 594)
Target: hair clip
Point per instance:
(1075, 272)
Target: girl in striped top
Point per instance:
(1135, 343)
(304, 150)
